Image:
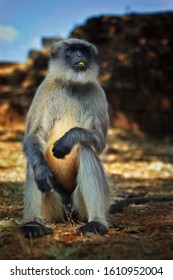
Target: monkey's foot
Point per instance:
(34, 229)
(92, 227)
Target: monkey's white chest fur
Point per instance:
(72, 115)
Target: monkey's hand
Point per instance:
(44, 178)
(63, 146)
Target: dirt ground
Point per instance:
(135, 166)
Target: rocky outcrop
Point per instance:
(136, 55)
(136, 70)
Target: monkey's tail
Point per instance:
(120, 205)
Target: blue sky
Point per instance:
(24, 22)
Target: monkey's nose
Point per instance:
(79, 54)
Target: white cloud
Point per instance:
(8, 33)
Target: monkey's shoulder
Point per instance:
(91, 91)
(99, 96)
(45, 97)
(47, 87)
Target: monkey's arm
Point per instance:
(95, 137)
(88, 137)
(38, 125)
(32, 149)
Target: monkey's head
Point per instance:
(74, 60)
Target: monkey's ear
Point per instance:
(94, 50)
(53, 52)
(55, 49)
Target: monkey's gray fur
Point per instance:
(68, 113)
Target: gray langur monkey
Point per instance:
(66, 129)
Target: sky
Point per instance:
(24, 22)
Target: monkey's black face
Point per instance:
(74, 60)
(78, 56)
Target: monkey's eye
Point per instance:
(69, 51)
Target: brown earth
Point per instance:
(135, 166)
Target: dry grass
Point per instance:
(135, 166)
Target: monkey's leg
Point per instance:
(39, 206)
(91, 196)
